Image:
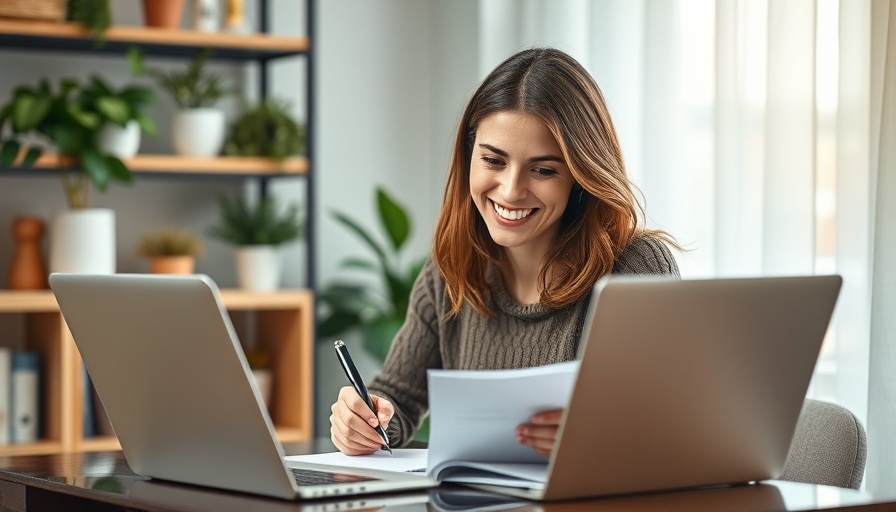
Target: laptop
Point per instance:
(686, 384)
(169, 370)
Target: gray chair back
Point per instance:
(828, 447)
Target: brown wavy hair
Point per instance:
(601, 217)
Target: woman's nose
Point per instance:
(512, 185)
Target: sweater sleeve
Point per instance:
(646, 254)
(415, 349)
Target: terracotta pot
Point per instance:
(163, 13)
(27, 270)
(172, 264)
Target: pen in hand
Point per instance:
(355, 377)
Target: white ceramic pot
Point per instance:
(198, 132)
(83, 240)
(118, 141)
(258, 267)
(264, 383)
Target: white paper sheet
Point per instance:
(403, 460)
(474, 414)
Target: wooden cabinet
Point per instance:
(284, 328)
(284, 319)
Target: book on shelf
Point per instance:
(5, 393)
(25, 397)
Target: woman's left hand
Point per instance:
(541, 431)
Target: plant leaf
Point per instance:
(96, 168)
(115, 109)
(358, 230)
(135, 60)
(394, 219)
(8, 152)
(31, 156)
(117, 170)
(29, 110)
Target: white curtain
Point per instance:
(762, 134)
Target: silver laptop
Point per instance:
(170, 372)
(687, 383)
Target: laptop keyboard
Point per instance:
(307, 477)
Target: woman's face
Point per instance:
(519, 181)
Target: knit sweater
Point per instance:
(517, 336)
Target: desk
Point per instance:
(103, 482)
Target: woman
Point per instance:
(537, 208)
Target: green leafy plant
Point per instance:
(65, 118)
(266, 129)
(95, 15)
(118, 106)
(170, 242)
(378, 310)
(242, 224)
(191, 88)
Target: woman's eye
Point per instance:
(492, 162)
(544, 171)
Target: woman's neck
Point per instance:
(519, 272)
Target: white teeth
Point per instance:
(512, 214)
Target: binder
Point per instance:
(25, 413)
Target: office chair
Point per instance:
(828, 447)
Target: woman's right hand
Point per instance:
(352, 422)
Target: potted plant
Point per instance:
(377, 310)
(257, 231)
(95, 15)
(171, 251)
(123, 112)
(198, 127)
(81, 239)
(266, 129)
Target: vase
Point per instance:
(118, 141)
(83, 240)
(198, 132)
(172, 264)
(263, 380)
(27, 270)
(258, 267)
(163, 13)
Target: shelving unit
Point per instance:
(284, 325)
(284, 319)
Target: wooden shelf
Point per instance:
(38, 448)
(27, 301)
(174, 164)
(70, 37)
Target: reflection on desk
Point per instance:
(103, 481)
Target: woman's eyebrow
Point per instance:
(543, 158)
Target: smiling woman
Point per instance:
(537, 208)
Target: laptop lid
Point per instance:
(171, 374)
(687, 383)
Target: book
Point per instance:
(488, 403)
(491, 404)
(5, 394)
(24, 405)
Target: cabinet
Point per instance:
(284, 319)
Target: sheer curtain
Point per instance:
(762, 135)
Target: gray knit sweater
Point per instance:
(517, 336)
